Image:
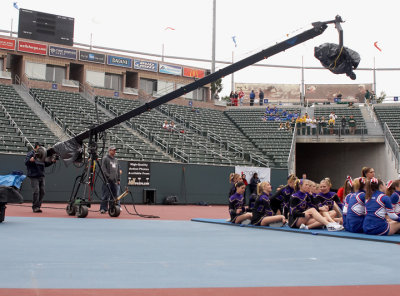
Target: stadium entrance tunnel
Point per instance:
(338, 160)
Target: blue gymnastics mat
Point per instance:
(341, 234)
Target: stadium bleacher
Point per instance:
(78, 114)
(18, 124)
(183, 142)
(265, 135)
(390, 115)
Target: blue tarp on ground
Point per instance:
(14, 180)
(343, 234)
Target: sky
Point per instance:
(257, 24)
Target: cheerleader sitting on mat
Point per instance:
(262, 213)
(377, 206)
(236, 205)
(393, 190)
(303, 213)
(347, 193)
(329, 202)
(355, 212)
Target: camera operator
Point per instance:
(35, 169)
(112, 173)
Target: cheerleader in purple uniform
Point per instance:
(280, 200)
(356, 207)
(262, 213)
(393, 190)
(377, 206)
(329, 202)
(304, 213)
(237, 209)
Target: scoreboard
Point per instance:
(40, 26)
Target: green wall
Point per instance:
(190, 183)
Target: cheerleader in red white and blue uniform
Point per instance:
(262, 213)
(393, 190)
(347, 192)
(237, 209)
(377, 206)
(356, 207)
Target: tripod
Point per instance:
(79, 205)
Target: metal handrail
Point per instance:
(292, 153)
(181, 155)
(394, 146)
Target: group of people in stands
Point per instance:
(275, 114)
(363, 205)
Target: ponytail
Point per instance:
(391, 187)
(372, 186)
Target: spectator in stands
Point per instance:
(253, 183)
(368, 173)
(314, 126)
(308, 124)
(333, 116)
(281, 126)
(35, 167)
(262, 213)
(303, 212)
(252, 97)
(352, 125)
(111, 169)
(323, 125)
(343, 122)
(237, 209)
(172, 126)
(293, 123)
(367, 97)
(331, 125)
(241, 97)
(165, 125)
(377, 206)
(261, 97)
(232, 98)
(288, 127)
(235, 98)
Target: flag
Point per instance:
(234, 40)
(376, 45)
(169, 28)
(15, 4)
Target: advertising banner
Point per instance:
(92, 57)
(62, 52)
(191, 72)
(145, 65)
(264, 174)
(170, 69)
(119, 61)
(138, 173)
(7, 43)
(31, 47)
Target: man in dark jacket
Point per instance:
(35, 173)
(111, 171)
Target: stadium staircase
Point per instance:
(20, 127)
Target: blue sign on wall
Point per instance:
(119, 61)
(92, 57)
(395, 99)
(116, 94)
(145, 65)
(62, 52)
(170, 69)
(265, 101)
(54, 86)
